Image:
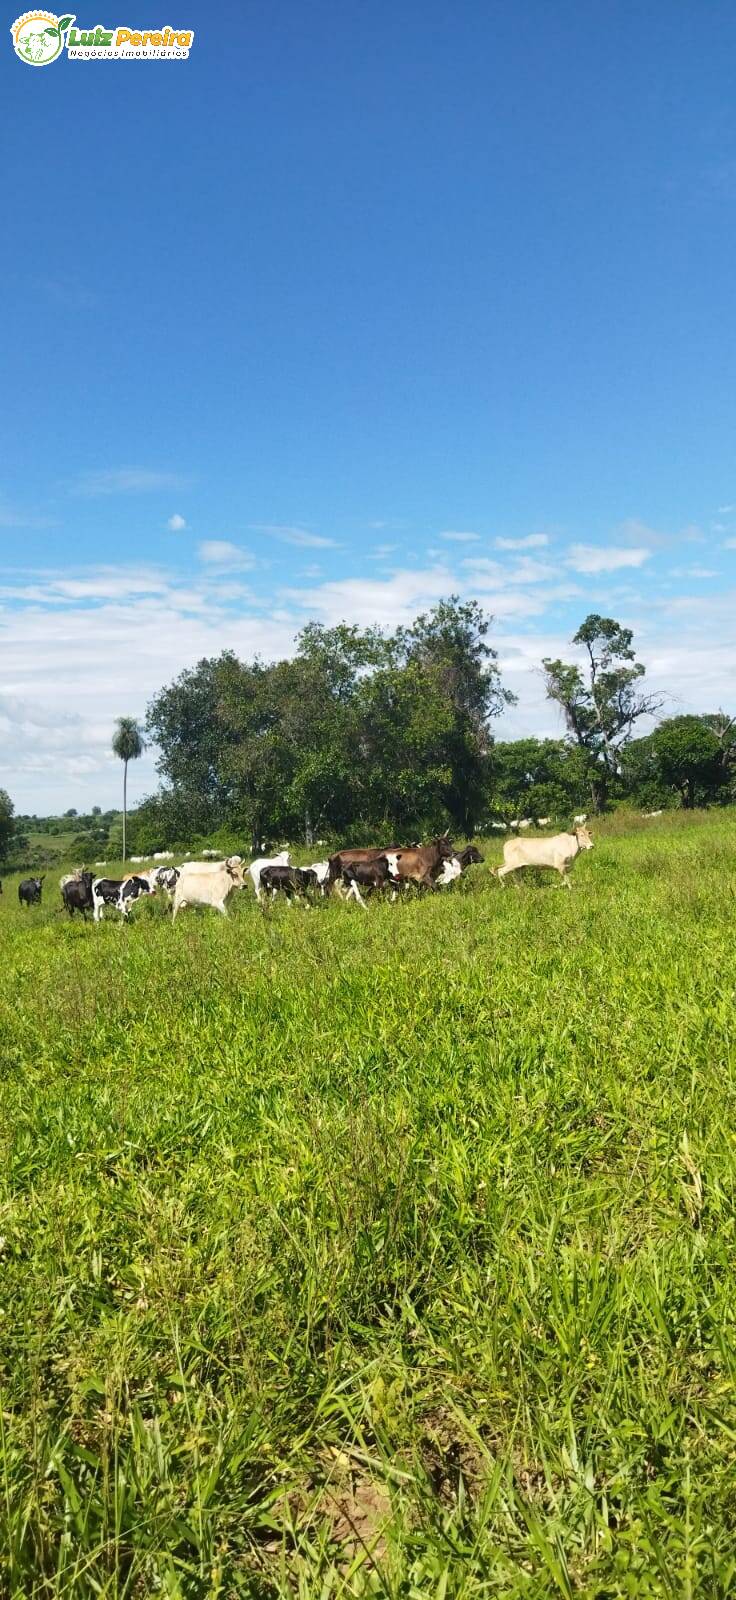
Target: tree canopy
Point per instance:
(601, 699)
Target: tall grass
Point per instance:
(388, 1254)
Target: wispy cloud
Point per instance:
(455, 536)
(177, 523)
(725, 511)
(729, 544)
(298, 536)
(694, 572)
(593, 558)
(533, 541)
(13, 517)
(221, 553)
(382, 551)
(125, 480)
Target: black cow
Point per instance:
(469, 857)
(29, 891)
(291, 881)
(118, 892)
(377, 875)
(76, 894)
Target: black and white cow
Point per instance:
(118, 892)
(294, 882)
(166, 878)
(29, 891)
(76, 894)
(377, 875)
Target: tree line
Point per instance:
(364, 732)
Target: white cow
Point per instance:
(451, 870)
(256, 867)
(321, 868)
(652, 813)
(558, 853)
(165, 855)
(206, 866)
(543, 822)
(208, 888)
(579, 820)
(526, 822)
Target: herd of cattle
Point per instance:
(349, 874)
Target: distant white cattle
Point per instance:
(526, 822)
(210, 853)
(579, 820)
(543, 822)
(652, 813)
(256, 867)
(166, 855)
(558, 852)
(499, 827)
(208, 888)
(136, 859)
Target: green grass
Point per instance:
(387, 1254)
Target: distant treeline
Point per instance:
(366, 734)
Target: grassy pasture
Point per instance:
(390, 1254)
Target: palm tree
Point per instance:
(128, 743)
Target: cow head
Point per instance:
(234, 867)
(583, 837)
(444, 846)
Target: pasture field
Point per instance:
(386, 1254)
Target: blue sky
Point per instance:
(357, 307)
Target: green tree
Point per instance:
(7, 825)
(601, 701)
(449, 644)
(128, 743)
(687, 753)
(537, 778)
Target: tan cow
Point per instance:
(209, 888)
(558, 853)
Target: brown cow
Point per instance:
(353, 858)
(422, 865)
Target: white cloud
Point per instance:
(298, 536)
(592, 558)
(533, 541)
(725, 511)
(13, 517)
(694, 572)
(729, 544)
(221, 553)
(125, 480)
(454, 536)
(176, 523)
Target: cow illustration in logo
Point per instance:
(38, 37)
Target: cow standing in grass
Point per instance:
(557, 853)
(29, 891)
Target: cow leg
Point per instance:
(565, 876)
(356, 894)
